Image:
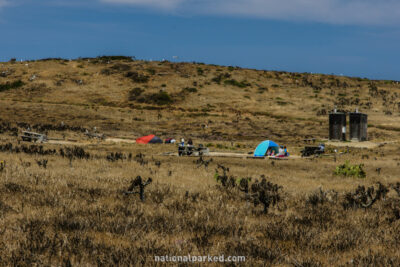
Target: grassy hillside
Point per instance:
(205, 101)
(62, 203)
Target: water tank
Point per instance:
(358, 126)
(337, 126)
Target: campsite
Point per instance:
(108, 187)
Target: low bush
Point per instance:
(160, 98)
(220, 77)
(190, 90)
(233, 82)
(136, 77)
(347, 169)
(11, 85)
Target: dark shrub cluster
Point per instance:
(259, 192)
(11, 85)
(51, 127)
(115, 156)
(32, 149)
(117, 68)
(137, 77)
(160, 98)
(217, 79)
(189, 90)
(74, 152)
(6, 127)
(233, 82)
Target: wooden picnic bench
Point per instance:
(33, 137)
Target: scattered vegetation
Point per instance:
(11, 85)
(159, 98)
(136, 77)
(233, 82)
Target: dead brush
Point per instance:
(112, 157)
(364, 197)
(138, 183)
(396, 188)
(159, 193)
(192, 196)
(42, 163)
(201, 162)
(227, 182)
(320, 197)
(2, 165)
(139, 158)
(265, 193)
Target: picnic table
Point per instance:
(192, 150)
(35, 137)
(311, 150)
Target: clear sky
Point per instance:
(350, 37)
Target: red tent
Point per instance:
(149, 139)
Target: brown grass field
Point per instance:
(72, 211)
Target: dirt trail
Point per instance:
(77, 143)
(66, 142)
(120, 140)
(366, 144)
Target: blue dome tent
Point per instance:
(262, 148)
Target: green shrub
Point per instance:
(347, 169)
(13, 85)
(233, 82)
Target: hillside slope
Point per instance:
(121, 96)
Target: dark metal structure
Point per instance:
(337, 126)
(311, 150)
(358, 126)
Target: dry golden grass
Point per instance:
(277, 105)
(75, 213)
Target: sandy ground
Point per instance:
(65, 142)
(110, 139)
(366, 144)
(120, 140)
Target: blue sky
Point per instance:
(350, 37)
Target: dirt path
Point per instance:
(120, 140)
(366, 144)
(66, 142)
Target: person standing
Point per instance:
(181, 147)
